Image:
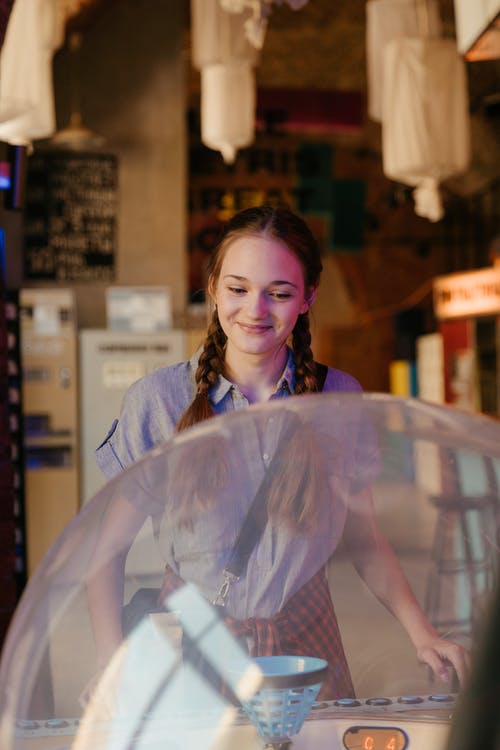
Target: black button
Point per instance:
(441, 698)
(27, 724)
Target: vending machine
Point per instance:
(50, 407)
(110, 361)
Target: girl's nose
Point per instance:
(257, 305)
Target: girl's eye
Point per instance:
(280, 295)
(236, 290)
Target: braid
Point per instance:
(210, 366)
(305, 367)
(211, 362)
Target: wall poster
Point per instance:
(70, 216)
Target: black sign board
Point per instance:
(70, 216)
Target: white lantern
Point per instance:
(227, 36)
(256, 24)
(221, 50)
(218, 36)
(425, 119)
(392, 19)
(227, 107)
(34, 32)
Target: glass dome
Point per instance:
(115, 643)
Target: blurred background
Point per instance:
(123, 152)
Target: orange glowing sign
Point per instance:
(462, 295)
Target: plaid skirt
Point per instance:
(306, 626)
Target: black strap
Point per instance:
(253, 525)
(256, 518)
(321, 373)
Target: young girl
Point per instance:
(262, 281)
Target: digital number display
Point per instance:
(375, 738)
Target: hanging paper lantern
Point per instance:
(218, 36)
(256, 23)
(227, 107)
(225, 57)
(227, 36)
(425, 120)
(34, 32)
(392, 19)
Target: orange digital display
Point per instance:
(375, 738)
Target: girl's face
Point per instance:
(259, 295)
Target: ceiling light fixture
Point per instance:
(76, 136)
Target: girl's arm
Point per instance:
(377, 564)
(105, 582)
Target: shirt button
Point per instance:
(265, 456)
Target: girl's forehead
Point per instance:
(259, 252)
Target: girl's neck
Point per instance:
(256, 375)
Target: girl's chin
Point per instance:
(253, 338)
(255, 345)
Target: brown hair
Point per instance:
(283, 225)
(201, 469)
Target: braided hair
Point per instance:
(282, 225)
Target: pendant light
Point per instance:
(425, 125)
(423, 104)
(76, 135)
(226, 39)
(387, 20)
(34, 32)
(225, 58)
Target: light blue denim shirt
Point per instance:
(154, 404)
(199, 487)
(281, 561)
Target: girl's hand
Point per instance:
(90, 688)
(100, 696)
(440, 654)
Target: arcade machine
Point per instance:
(13, 553)
(183, 676)
(50, 402)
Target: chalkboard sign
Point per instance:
(70, 216)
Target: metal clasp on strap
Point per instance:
(229, 578)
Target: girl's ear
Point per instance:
(309, 300)
(211, 291)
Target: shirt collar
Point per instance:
(223, 385)
(287, 380)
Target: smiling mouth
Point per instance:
(256, 329)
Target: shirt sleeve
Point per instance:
(130, 436)
(340, 381)
(106, 457)
(367, 456)
(150, 410)
(365, 450)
